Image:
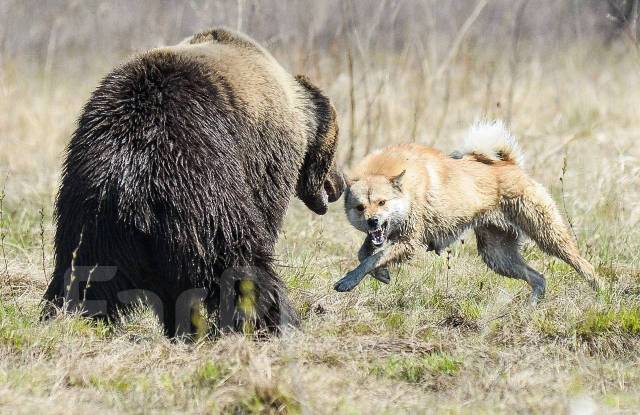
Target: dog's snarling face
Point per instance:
(377, 206)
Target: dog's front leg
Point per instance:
(366, 250)
(381, 258)
(353, 277)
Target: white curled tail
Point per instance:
(492, 141)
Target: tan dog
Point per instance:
(409, 196)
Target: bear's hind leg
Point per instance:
(252, 298)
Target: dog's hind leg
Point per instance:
(538, 216)
(500, 250)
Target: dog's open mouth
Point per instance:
(378, 235)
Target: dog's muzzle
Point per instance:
(377, 231)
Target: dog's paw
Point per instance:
(536, 295)
(382, 275)
(347, 283)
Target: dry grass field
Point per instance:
(447, 335)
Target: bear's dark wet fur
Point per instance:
(171, 182)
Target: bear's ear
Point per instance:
(319, 181)
(223, 36)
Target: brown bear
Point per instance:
(177, 179)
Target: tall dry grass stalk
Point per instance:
(3, 233)
(515, 56)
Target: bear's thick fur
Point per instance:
(177, 178)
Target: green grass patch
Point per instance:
(621, 400)
(271, 399)
(210, 374)
(412, 369)
(121, 384)
(394, 321)
(595, 322)
(547, 326)
(82, 326)
(20, 378)
(16, 327)
(22, 229)
(470, 309)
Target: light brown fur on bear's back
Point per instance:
(266, 91)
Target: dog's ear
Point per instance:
(396, 181)
(349, 178)
(319, 181)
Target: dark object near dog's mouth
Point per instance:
(331, 190)
(378, 235)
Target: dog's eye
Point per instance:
(382, 202)
(360, 208)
